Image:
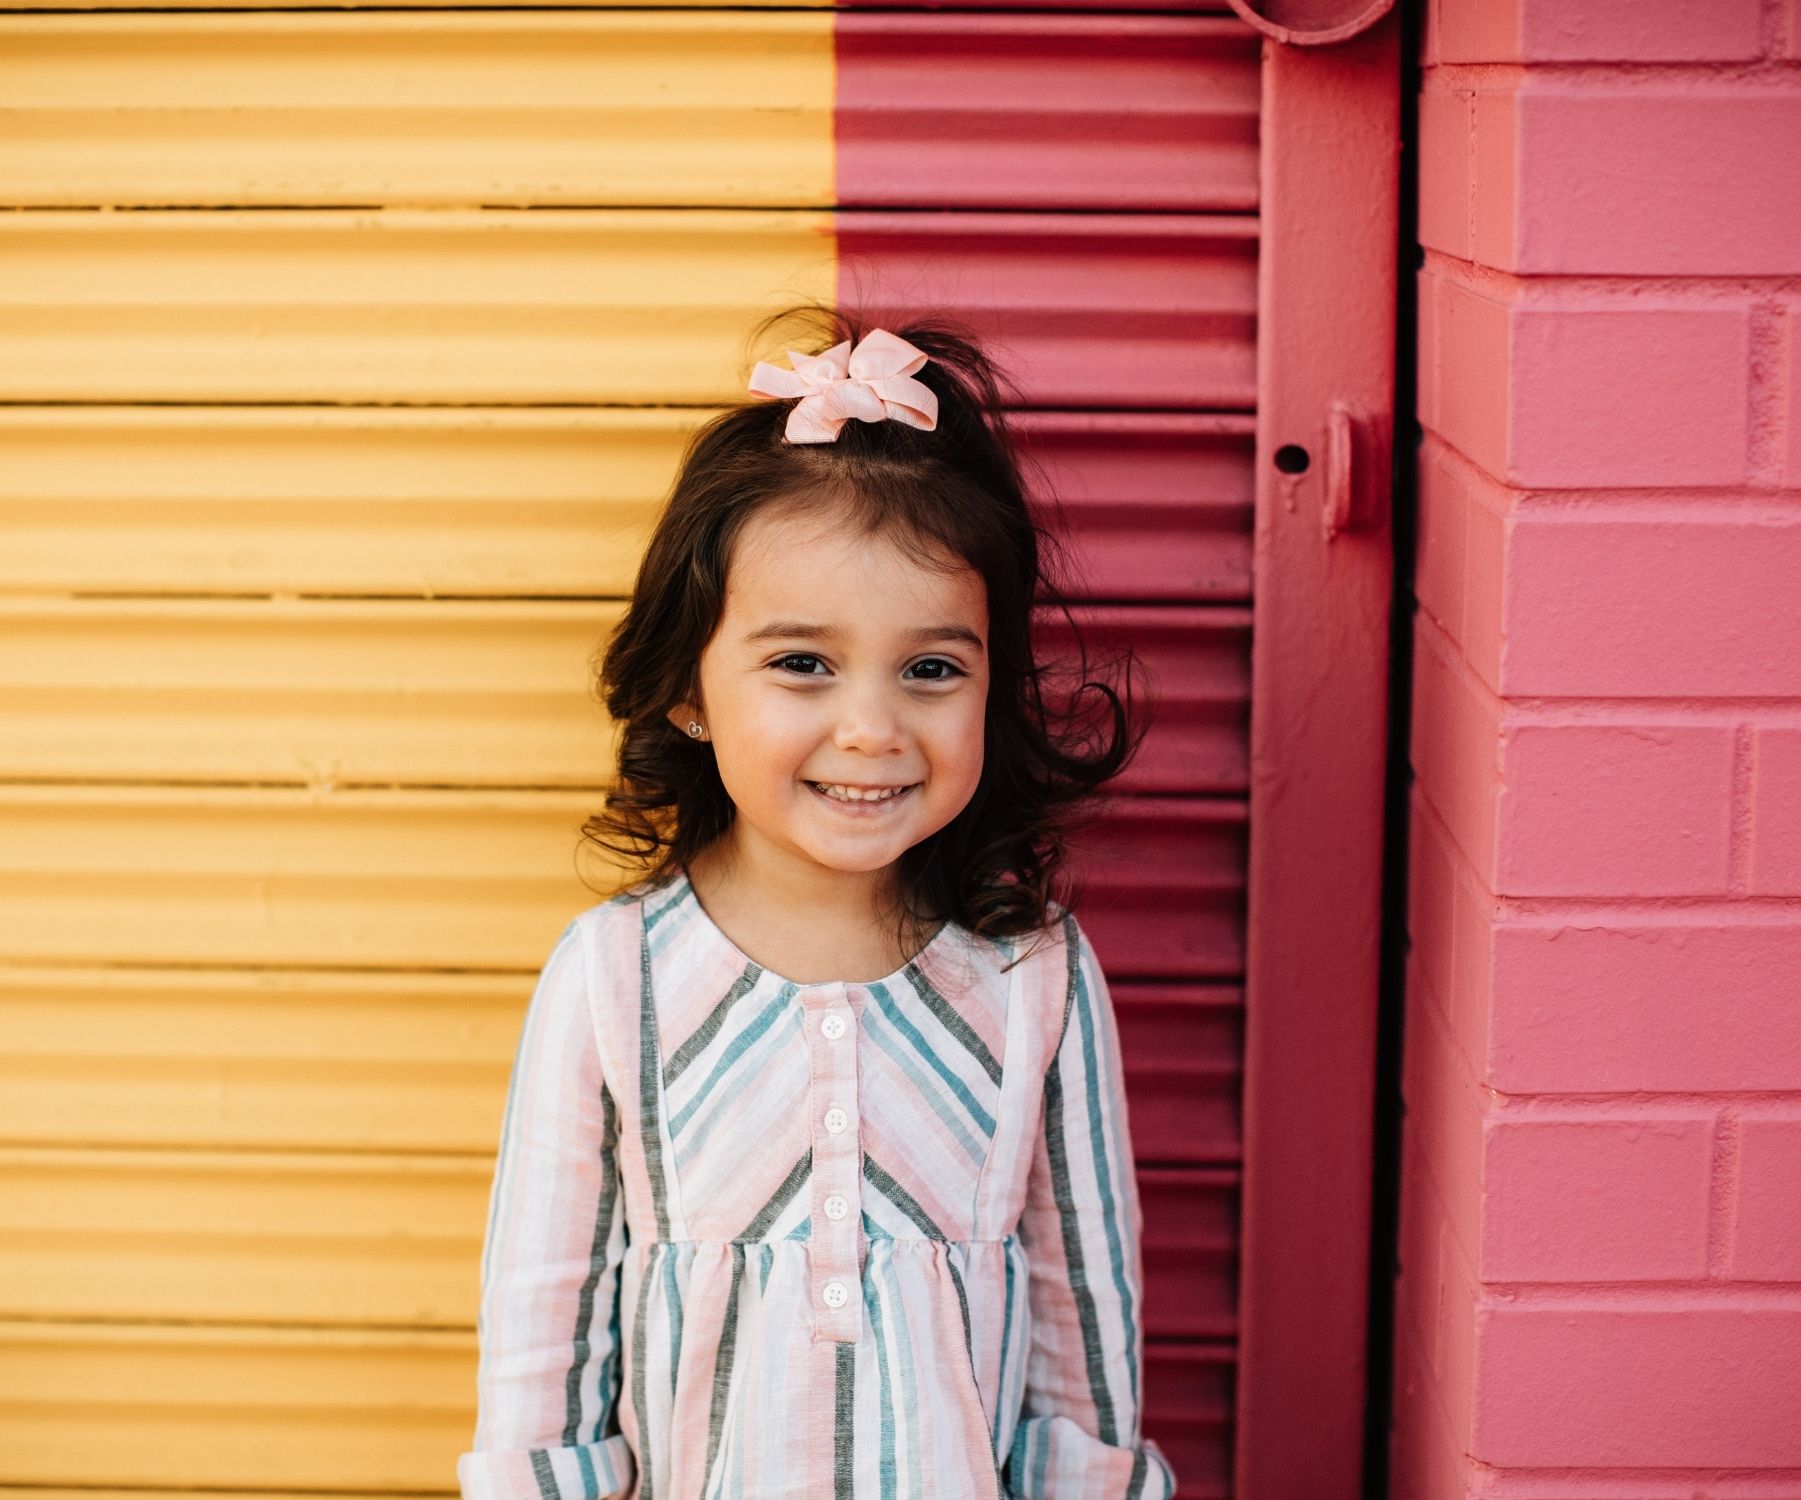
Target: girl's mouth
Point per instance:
(861, 807)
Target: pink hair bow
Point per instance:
(871, 382)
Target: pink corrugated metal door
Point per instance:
(1178, 233)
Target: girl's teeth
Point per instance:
(845, 794)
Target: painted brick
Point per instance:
(1459, 540)
(1431, 908)
(1454, 748)
(1622, 1382)
(1670, 183)
(1766, 1234)
(1686, 999)
(1443, 1143)
(1563, 388)
(1606, 1198)
(1435, 1299)
(1457, 968)
(1614, 810)
(1776, 811)
(1667, 181)
(1429, 1462)
(1570, 808)
(1607, 394)
(1426, 343)
(1469, 363)
(1597, 30)
(1441, 532)
(1653, 602)
(1497, 184)
(1444, 171)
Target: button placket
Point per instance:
(835, 1250)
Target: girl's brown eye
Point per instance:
(953, 670)
(782, 661)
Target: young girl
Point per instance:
(815, 1179)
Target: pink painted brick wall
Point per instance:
(1600, 1241)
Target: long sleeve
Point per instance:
(1078, 1436)
(548, 1324)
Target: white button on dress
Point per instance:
(836, 1119)
(834, 1293)
(836, 1207)
(833, 1027)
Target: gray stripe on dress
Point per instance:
(844, 1466)
(604, 1211)
(709, 1028)
(900, 1198)
(953, 1022)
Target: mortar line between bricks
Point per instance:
(1677, 1297)
(1576, 1105)
(1722, 1195)
(1752, 75)
(1613, 1477)
(1576, 709)
(1749, 500)
(1627, 289)
(1741, 830)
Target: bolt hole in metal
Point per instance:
(1292, 458)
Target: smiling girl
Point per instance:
(816, 1177)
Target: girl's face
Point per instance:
(839, 660)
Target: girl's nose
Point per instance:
(868, 720)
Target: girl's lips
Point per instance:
(877, 809)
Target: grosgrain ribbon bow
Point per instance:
(871, 382)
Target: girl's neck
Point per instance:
(810, 925)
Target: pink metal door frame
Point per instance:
(1319, 664)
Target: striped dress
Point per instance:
(763, 1240)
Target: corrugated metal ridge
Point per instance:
(393, 107)
(1088, 111)
(1140, 311)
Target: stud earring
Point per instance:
(693, 729)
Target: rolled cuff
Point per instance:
(589, 1471)
(1055, 1459)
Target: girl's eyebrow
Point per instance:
(801, 630)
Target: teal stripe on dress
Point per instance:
(1000, 1402)
(928, 1090)
(1103, 1167)
(955, 1024)
(910, 1410)
(722, 1366)
(1064, 1195)
(878, 1316)
(900, 1198)
(844, 1456)
(730, 1059)
(709, 1028)
(672, 1293)
(889, 1011)
(584, 1460)
(605, 1207)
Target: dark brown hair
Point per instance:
(957, 492)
